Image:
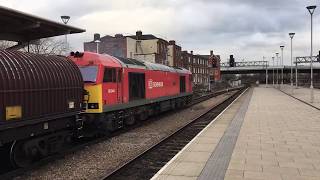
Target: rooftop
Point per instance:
(22, 27)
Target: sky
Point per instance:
(248, 29)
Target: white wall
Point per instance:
(131, 47)
(170, 55)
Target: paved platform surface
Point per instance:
(278, 139)
(303, 94)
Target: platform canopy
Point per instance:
(23, 28)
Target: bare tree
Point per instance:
(48, 46)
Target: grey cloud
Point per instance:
(252, 28)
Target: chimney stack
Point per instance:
(191, 52)
(138, 34)
(118, 35)
(172, 42)
(211, 53)
(96, 36)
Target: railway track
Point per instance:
(148, 163)
(9, 173)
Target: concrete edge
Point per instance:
(298, 99)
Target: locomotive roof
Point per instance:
(90, 58)
(128, 62)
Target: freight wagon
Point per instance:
(40, 102)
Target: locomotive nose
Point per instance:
(86, 97)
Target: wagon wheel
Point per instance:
(18, 156)
(143, 116)
(129, 121)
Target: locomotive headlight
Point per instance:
(93, 106)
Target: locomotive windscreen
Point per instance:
(89, 73)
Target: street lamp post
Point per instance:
(97, 41)
(65, 20)
(291, 35)
(277, 55)
(311, 11)
(263, 59)
(267, 76)
(282, 66)
(273, 71)
(296, 74)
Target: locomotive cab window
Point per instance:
(109, 75)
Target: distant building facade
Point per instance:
(174, 54)
(205, 68)
(214, 66)
(147, 47)
(116, 45)
(198, 65)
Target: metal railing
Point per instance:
(246, 64)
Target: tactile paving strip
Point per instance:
(218, 162)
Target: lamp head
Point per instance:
(311, 9)
(291, 35)
(65, 19)
(281, 46)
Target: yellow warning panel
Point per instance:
(13, 112)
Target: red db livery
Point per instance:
(123, 90)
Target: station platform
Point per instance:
(303, 94)
(264, 134)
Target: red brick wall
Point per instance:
(116, 46)
(161, 55)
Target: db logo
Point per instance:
(152, 84)
(111, 91)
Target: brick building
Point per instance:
(214, 66)
(148, 47)
(198, 65)
(174, 54)
(116, 45)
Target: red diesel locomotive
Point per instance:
(122, 90)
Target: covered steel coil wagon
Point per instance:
(38, 95)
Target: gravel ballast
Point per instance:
(94, 161)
